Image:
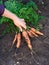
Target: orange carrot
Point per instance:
(29, 33)
(36, 31)
(15, 39)
(18, 40)
(25, 35)
(33, 33)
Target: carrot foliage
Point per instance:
(27, 11)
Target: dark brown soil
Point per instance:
(23, 56)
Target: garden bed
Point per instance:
(23, 56)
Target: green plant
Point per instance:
(0, 2)
(26, 11)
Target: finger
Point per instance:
(23, 21)
(20, 28)
(18, 40)
(24, 26)
(15, 39)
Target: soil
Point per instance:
(23, 56)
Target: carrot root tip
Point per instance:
(30, 47)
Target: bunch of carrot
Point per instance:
(26, 34)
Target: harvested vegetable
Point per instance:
(29, 33)
(35, 31)
(15, 38)
(25, 35)
(18, 40)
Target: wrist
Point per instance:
(14, 17)
(10, 15)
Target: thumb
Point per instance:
(22, 19)
(20, 28)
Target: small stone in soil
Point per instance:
(18, 63)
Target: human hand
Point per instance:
(20, 23)
(17, 21)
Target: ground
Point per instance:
(23, 56)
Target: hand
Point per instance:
(20, 23)
(17, 21)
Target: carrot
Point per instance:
(36, 31)
(29, 33)
(15, 39)
(33, 33)
(25, 35)
(18, 40)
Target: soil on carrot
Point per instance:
(23, 56)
